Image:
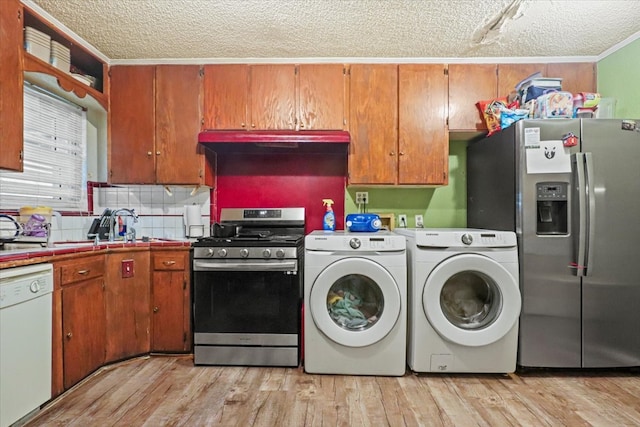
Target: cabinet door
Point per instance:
(321, 96)
(576, 76)
(11, 98)
(83, 325)
(226, 96)
(178, 114)
(131, 152)
(509, 75)
(373, 124)
(423, 139)
(468, 84)
(171, 316)
(272, 96)
(127, 301)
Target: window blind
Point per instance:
(54, 158)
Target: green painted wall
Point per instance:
(441, 207)
(618, 78)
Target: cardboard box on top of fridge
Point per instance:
(554, 105)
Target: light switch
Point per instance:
(127, 268)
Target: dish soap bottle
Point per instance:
(329, 220)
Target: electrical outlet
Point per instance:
(419, 221)
(402, 221)
(127, 268)
(362, 197)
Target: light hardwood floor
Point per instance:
(171, 391)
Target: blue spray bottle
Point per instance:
(329, 221)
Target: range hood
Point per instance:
(274, 140)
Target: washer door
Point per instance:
(471, 300)
(355, 302)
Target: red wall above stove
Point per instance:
(247, 180)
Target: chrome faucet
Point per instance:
(112, 224)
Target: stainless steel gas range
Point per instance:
(247, 289)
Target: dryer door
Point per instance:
(355, 302)
(471, 300)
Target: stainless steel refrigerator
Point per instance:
(576, 212)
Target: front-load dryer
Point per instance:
(463, 300)
(355, 303)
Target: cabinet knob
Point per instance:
(244, 125)
(392, 153)
(69, 335)
(301, 125)
(253, 125)
(402, 153)
(155, 309)
(157, 153)
(149, 153)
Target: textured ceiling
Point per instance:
(263, 29)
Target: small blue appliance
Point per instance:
(363, 222)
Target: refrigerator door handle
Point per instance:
(580, 262)
(591, 213)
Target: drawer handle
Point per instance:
(83, 272)
(168, 262)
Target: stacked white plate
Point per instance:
(60, 56)
(37, 43)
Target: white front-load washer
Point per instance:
(463, 300)
(355, 287)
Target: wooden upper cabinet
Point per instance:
(468, 84)
(423, 138)
(11, 84)
(272, 96)
(132, 148)
(179, 158)
(509, 75)
(373, 124)
(576, 76)
(226, 96)
(155, 120)
(278, 96)
(321, 97)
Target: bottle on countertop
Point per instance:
(329, 220)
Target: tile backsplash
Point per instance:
(160, 210)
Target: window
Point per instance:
(55, 151)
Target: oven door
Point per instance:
(246, 302)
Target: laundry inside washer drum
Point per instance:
(355, 302)
(470, 300)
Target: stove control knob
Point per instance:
(266, 253)
(280, 253)
(467, 239)
(210, 252)
(244, 252)
(222, 253)
(355, 243)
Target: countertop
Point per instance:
(32, 254)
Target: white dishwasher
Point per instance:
(25, 340)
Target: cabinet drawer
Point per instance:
(84, 269)
(170, 261)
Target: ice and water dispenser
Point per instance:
(553, 214)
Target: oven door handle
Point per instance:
(245, 266)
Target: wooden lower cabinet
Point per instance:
(81, 284)
(171, 318)
(127, 302)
